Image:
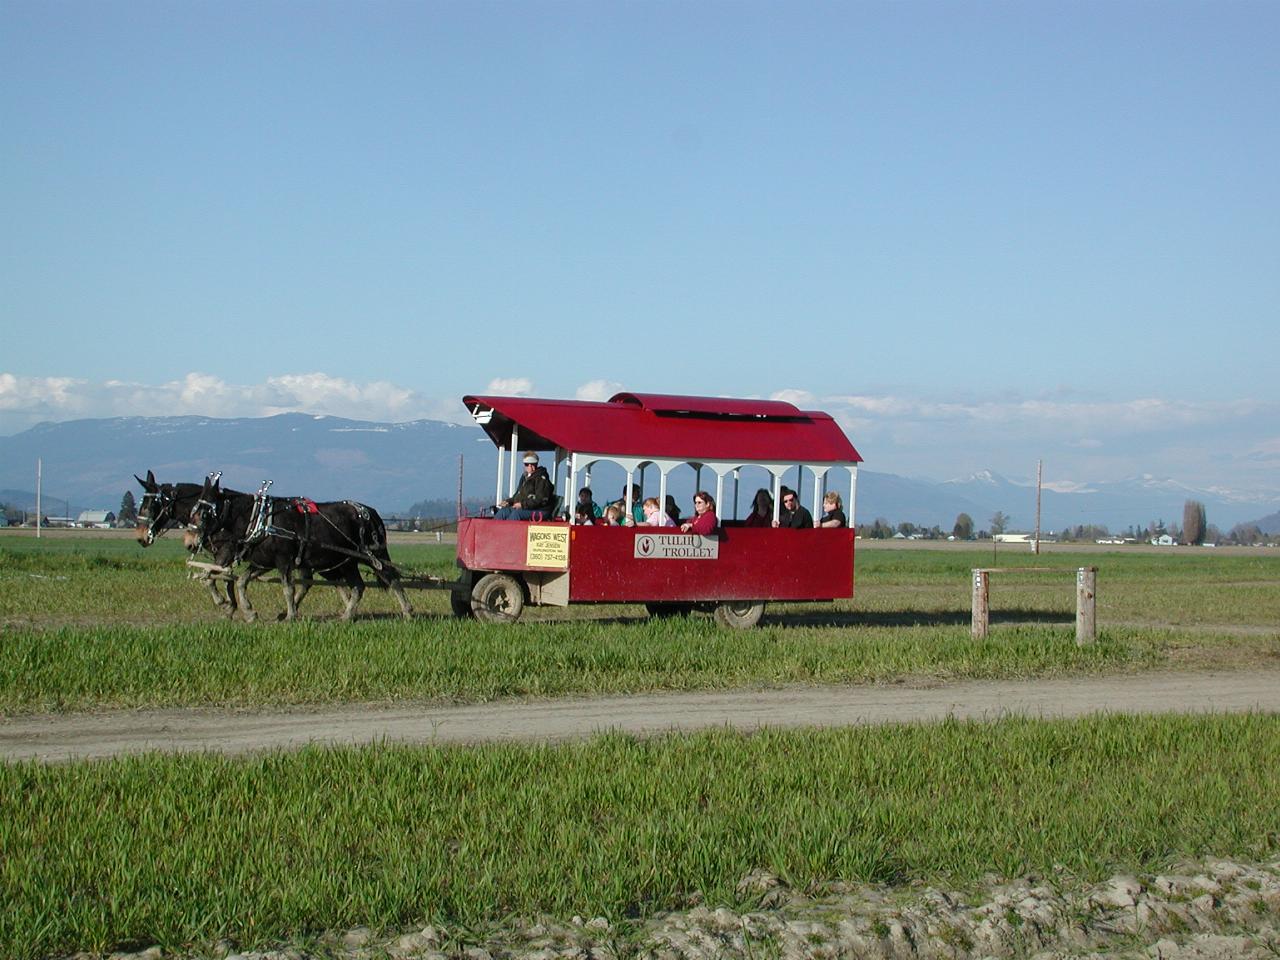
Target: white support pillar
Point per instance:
(627, 515)
(512, 468)
(719, 490)
(777, 496)
(498, 497)
(853, 492)
(737, 482)
(570, 495)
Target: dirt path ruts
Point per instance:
(59, 737)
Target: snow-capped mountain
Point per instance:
(1134, 501)
(89, 464)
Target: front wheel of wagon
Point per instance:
(497, 598)
(739, 614)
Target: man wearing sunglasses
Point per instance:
(792, 514)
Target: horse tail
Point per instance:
(373, 537)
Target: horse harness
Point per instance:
(261, 526)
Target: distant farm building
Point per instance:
(1012, 537)
(95, 519)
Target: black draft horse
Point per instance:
(286, 534)
(168, 505)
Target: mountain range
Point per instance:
(89, 464)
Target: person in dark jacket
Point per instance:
(534, 495)
(792, 514)
(834, 512)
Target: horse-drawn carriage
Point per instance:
(660, 441)
(505, 564)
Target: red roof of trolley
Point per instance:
(651, 425)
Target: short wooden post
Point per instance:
(1086, 605)
(981, 603)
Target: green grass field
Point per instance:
(185, 850)
(103, 623)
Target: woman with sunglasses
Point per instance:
(704, 515)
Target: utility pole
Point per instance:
(459, 513)
(1039, 478)
(39, 467)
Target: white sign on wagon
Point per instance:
(676, 546)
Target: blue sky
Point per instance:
(978, 233)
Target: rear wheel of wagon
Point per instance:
(497, 598)
(739, 614)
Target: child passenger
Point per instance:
(654, 515)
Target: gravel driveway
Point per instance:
(60, 737)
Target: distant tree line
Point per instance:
(1195, 529)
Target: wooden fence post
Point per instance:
(981, 603)
(1086, 605)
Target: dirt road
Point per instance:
(59, 737)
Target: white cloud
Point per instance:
(26, 401)
(1228, 443)
(510, 386)
(1265, 450)
(598, 390)
(1106, 416)
(800, 398)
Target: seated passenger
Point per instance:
(534, 495)
(761, 510)
(704, 515)
(637, 508)
(793, 515)
(653, 516)
(612, 516)
(583, 516)
(673, 510)
(585, 500)
(834, 515)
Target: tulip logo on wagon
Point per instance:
(676, 546)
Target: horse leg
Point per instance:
(389, 577)
(303, 586)
(355, 588)
(287, 585)
(227, 604)
(242, 595)
(346, 594)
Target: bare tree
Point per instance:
(1193, 522)
(999, 522)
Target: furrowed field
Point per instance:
(186, 850)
